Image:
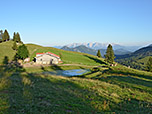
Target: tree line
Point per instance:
(21, 50)
(4, 36)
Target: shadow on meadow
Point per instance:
(128, 82)
(91, 72)
(127, 73)
(36, 93)
(56, 67)
(47, 95)
(96, 60)
(124, 79)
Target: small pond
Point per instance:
(74, 72)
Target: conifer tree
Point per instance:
(18, 37)
(8, 36)
(22, 52)
(99, 54)
(5, 61)
(5, 36)
(109, 57)
(14, 37)
(14, 46)
(149, 65)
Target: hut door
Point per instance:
(51, 61)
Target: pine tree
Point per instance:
(14, 46)
(22, 52)
(99, 54)
(109, 57)
(5, 61)
(14, 37)
(8, 36)
(5, 36)
(18, 37)
(149, 65)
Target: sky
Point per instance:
(61, 22)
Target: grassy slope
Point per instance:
(67, 56)
(6, 50)
(118, 90)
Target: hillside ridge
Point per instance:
(137, 59)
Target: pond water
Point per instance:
(74, 72)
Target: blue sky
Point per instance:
(60, 22)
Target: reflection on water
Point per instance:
(74, 72)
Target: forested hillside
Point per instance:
(136, 60)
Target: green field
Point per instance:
(6, 50)
(98, 91)
(68, 57)
(105, 89)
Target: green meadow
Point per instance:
(98, 91)
(104, 89)
(67, 57)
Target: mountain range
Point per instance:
(84, 49)
(97, 46)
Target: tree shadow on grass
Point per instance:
(96, 60)
(127, 81)
(56, 67)
(12, 85)
(85, 75)
(123, 79)
(35, 93)
(91, 72)
(57, 70)
(111, 71)
(47, 95)
(133, 106)
(43, 69)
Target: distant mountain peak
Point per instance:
(94, 45)
(97, 46)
